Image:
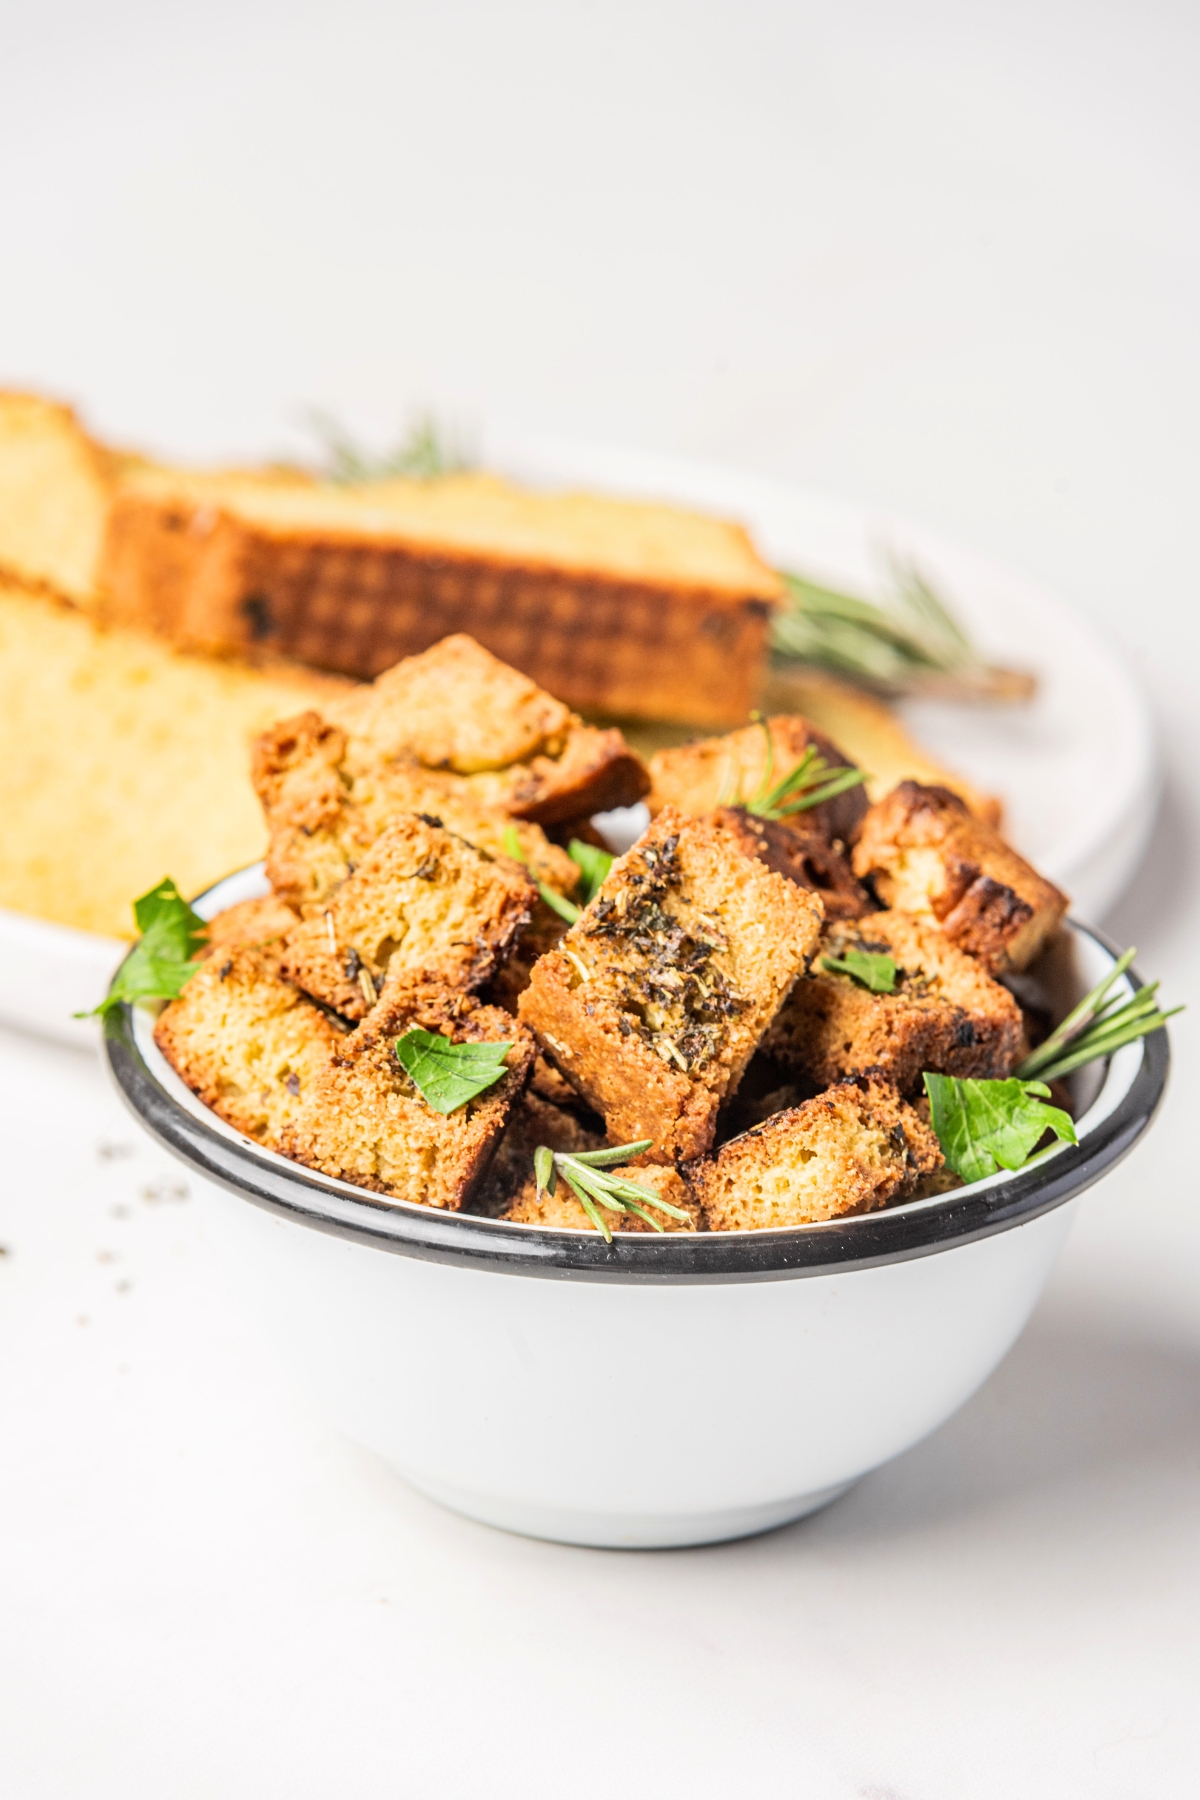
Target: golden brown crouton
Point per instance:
(456, 707)
(926, 853)
(946, 1013)
(654, 1001)
(323, 819)
(247, 1042)
(852, 1149)
(365, 1120)
(730, 771)
(422, 903)
(563, 1210)
(804, 856)
(251, 925)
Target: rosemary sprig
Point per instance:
(911, 643)
(426, 451)
(1097, 1027)
(804, 786)
(585, 1175)
(566, 909)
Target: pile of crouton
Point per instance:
(417, 827)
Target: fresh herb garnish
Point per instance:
(449, 1074)
(585, 1174)
(983, 1126)
(1097, 1027)
(566, 909)
(806, 785)
(163, 957)
(428, 450)
(869, 968)
(595, 864)
(911, 643)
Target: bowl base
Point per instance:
(624, 1531)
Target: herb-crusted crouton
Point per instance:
(457, 707)
(323, 819)
(563, 1210)
(248, 1043)
(657, 996)
(945, 1014)
(927, 853)
(852, 1149)
(422, 902)
(730, 771)
(250, 925)
(803, 855)
(366, 1121)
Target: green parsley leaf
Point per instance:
(983, 1126)
(566, 909)
(595, 864)
(449, 1074)
(162, 959)
(869, 968)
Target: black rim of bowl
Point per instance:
(861, 1242)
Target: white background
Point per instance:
(939, 258)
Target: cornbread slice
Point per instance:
(55, 487)
(926, 853)
(365, 1120)
(122, 761)
(251, 925)
(533, 1120)
(805, 857)
(851, 1150)
(323, 820)
(946, 1013)
(421, 903)
(246, 1042)
(729, 771)
(621, 607)
(456, 707)
(562, 1210)
(655, 999)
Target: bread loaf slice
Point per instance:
(620, 607)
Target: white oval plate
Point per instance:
(1076, 769)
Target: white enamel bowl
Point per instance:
(659, 1391)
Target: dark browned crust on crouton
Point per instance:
(946, 1014)
(925, 852)
(656, 998)
(247, 1042)
(849, 1150)
(805, 857)
(728, 771)
(423, 903)
(366, 1122)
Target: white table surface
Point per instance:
(941, 259)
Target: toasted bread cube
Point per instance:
(562, 1209)
(247, 1042)
(927, 853)
(251, 925)
(323, 819)
(422, 903)
(457, 707)
(366, 1122)
(533, 1120)
(803, 855)
(730, 771)
(946, 1013)
(851, 1150)
(655, 999)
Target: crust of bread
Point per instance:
(653, 1003)
(926, 853)
(623, 609)
(729, 771)
(946, 1015)
(850, 1150)
(366, 1122)
(423, 903)
(247, 1042)
(251, 925)
(805, 857)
